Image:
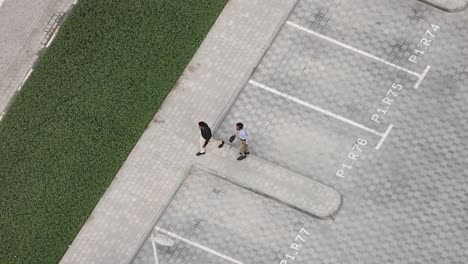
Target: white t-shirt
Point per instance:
(244, 136)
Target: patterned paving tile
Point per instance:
(227, 219)
(407, 202)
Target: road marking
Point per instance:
(384, 137)
(422, 77)
(209, 250)
(52, 38)
(1, 2)
(155, 252)
(316, 108)
(352, 48)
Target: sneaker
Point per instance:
(246, 153)
(241, 157)
(199, 153)
(221, 145)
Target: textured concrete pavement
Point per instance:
(403, 61)
(215, 220)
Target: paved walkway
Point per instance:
(265, 178)
(25, 28)
(160, 160)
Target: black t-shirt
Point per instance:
(206, 134)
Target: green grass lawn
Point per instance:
(83, 109)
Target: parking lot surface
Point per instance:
(230, 221)
(338, 72)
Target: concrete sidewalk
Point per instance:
(268, 179)
(159, 161)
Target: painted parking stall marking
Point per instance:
(416, 85)
(386, 102)
(316, 108)
(323, 111)
(346, 46)
(155, 251)
(351, 158)
(384, 136)
(424, 43)
(295, 247)
(195, 244)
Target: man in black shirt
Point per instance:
(205, 137)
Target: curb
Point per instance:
(447, 7)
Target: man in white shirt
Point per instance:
(244, 141)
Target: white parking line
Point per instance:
(316, 108)
(1, 2)
(352, 48)
(155, 252)
(209, 250)
(422, 77)
(384, 137)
